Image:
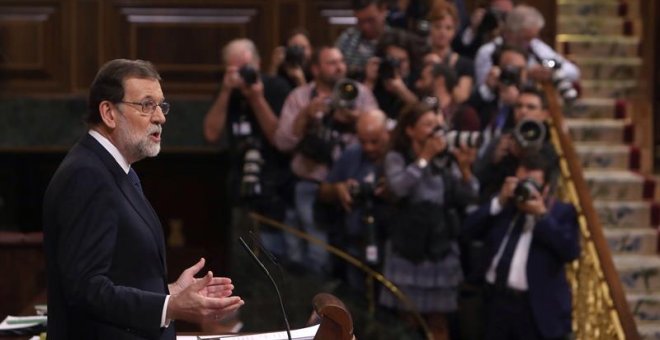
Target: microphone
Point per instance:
(277, 290)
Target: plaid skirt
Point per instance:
(432, 286)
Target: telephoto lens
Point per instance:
(530, 134)
(344, 94)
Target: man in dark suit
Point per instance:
(105, 251)
(528, 239)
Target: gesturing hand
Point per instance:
(203, 300)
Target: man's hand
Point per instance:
(539, 73)
(344, 193)
(506, 192)
(218, 287)
(503, 148)
(433, 146)
(201, 300)
(465, 156)
(231, 80)
(535, 205)
(253, 92)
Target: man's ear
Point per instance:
(108, 114)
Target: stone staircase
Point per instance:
(602, 37)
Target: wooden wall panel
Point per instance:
(183, 43)
(34, 49)
(327, 19)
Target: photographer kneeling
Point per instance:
(528, 237)
(422, 256)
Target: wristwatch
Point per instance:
(422, 163)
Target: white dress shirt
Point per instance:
(518, 273)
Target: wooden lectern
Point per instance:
(336, 321)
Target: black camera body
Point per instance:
(344, 94)
(362, 192)
(388, 67)
(525, 190)
(564, 86)
(530, 134)
(294, 55)
(249, 74)
(510, 75)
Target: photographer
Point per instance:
(389, 73)
(438, 81)
(528, 237)
(245, 113)
(521, 29)
(502, 154)
(422, 255)
(485, 24)
(316, 125)
(355, 187)
(291, 61)
(494, 99)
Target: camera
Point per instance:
(459, 139)
(510, 75)
(251, 179)
(564, 86)
(525, 189)
(249, 74)
(362, 192)
(344, 94)
(294, 55)
(387, 68)
(530, 134)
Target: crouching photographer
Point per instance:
(501, 156)
(528, 239)
(422, 255)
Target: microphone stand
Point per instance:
(277, 290)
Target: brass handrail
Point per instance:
(352, 261)
(600, 309)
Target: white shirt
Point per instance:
(123, 163)
(518, 273)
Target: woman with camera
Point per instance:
(422, 255)
(291, 61)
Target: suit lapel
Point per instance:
(137, 200)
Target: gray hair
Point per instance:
(241, 44)
(522, 17)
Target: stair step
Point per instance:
(597, 108)
(608, 88)
(604, 157)
(638, 241)
(645, 307)
(627, 214)
(598, 8)
(604, 131)
(598, 46)
(618, 185)
(639, 273)
(596, 68)
(649, 331)
(593, 25)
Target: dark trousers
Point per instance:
(509, 315)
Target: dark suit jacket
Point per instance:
(555, 242)
(105, 252)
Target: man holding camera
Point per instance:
(521, 29)
(317, 123)
(502, 154)
(355, 186)
(528, 237)
(245, 113)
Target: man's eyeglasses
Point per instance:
(149, 106)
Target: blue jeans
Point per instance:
(301, 216)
